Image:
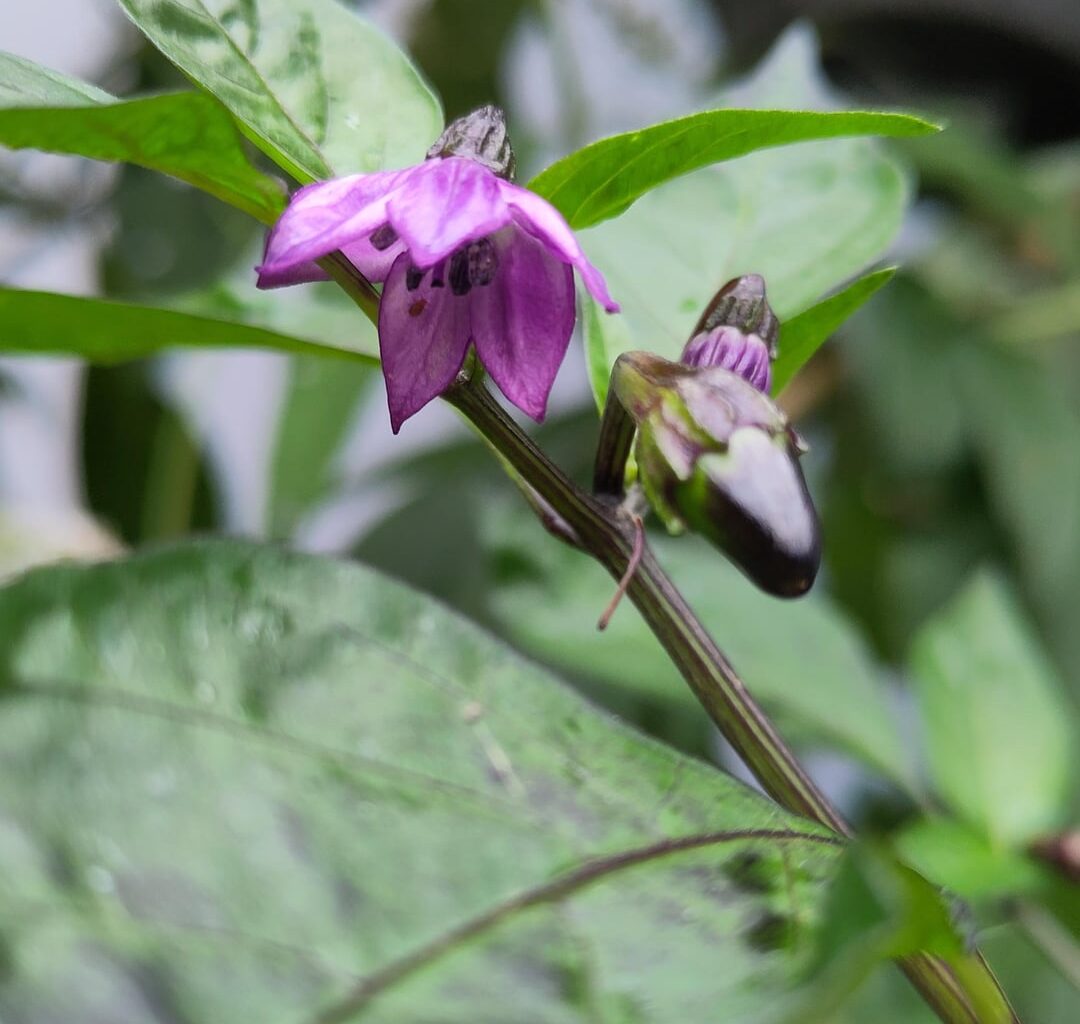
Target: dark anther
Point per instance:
(437, 273)
(473, 264)
(413, 277)
(483, 262)
(382, 238)
(459, 272)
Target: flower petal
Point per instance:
(324, 217)
(522, 321)
(445, 204)
(540, 218)
(423, 339)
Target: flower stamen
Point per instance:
(483, 262)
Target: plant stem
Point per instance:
(607, 533)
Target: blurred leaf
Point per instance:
(964, 861)
(167, 240)
(186, 134)
(1039, 992)
(997, 726)
(320, 406)
(799, 658)
(606, 177)
(43, 323)
(876, 900)
(245, 785)
(876, 909)
(142, 471)
(806, 218)
(1049, 313)
(1025, 432)
(804, 334)
(901, 351)
(319, 89)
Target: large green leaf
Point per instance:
(799, 658)
(319, 89)
(241, 785)
(187, 135)
(43, 323)
(807, 217)
(998, 730)
(606, 177)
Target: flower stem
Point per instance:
(607, 533)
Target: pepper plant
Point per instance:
(351, 803)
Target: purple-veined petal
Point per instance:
(541, 219)
(445, 204)
(522, 321)
(423, 339)
(326, 216)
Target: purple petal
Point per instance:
(522, 321)
(445, 204)
(372, 263)
(324, 217)
(541, 219)
(423, 338)
(299, 273)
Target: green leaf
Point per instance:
(961, 859)
(187, 135)
(43, 323)
(806, 217)
(319, 89)
(998, 729)
(801, 659)
(606, 177)
(251, 786)
(26, 84)
(804, 334)
(876, 909)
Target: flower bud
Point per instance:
(715, 455)
(744, 354)
(742, 303)
(738, 331)
(481, 137)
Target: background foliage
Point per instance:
(932, 678)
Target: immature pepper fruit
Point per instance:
(715, 454)
(467, 259)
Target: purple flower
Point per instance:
(744, 354)
(466, 257)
